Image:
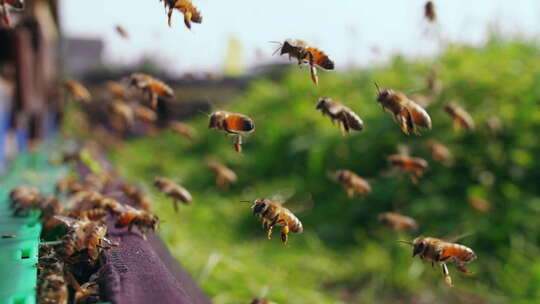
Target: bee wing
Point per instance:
(352, 120)
(453, 239)
(68, 221)
(419, 116)
(301, 204)
(282, 196)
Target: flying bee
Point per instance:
(232, 123)
(304, 53)
(25, 198)
(224, 175)
(78, 91)
(398, 221)
(479, 204)
(173, 190)
(9, 4)
(348, 120)
(191, 13)
(429, 11)
(137, 196)
(273, 214)
(442, 252)
(117, 89)
(261, 301)
(406, 113)
(494, 125)
(145, 114)
(352, 183)
(152, 86)
(123, 110)
(462, 119)
(415, 166)
(440, 152)
(182, 129)
(120, 30)
(141, 219)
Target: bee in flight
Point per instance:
(272, 213)
(440, 152)
(232, 123)
(429, 11)
(191, 13)
(352, 183)
(442, 252)
(77, 90)
(462, 119)
(152, 86)
(406, 113)
(5, 5)
(479, 204)
(173, 190)
(415, 166)
(182, 129)
(224, 175)
(304, 53)
(348, 120)
(120, 30)
(398, 221)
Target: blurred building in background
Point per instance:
(81, 55)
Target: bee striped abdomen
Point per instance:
(239, 123)
(457, 253)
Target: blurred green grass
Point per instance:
(345, 255)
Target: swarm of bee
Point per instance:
(348, 120)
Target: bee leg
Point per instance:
(269, 232)
(238, 144)
(446, 275)
(170, 16)
(187, 19)
(284, 234)
(342, 128)
(350, 192)
(461, 267)
(154, 100)
(175, 205)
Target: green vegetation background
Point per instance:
(345, 255)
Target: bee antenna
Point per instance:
(377, 86)
(245, 201)
(406, 242)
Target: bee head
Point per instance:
(215, 119)
(260, 206)
(419, 245)
(322, 103)
(382, 94)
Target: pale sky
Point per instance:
(346, 30)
